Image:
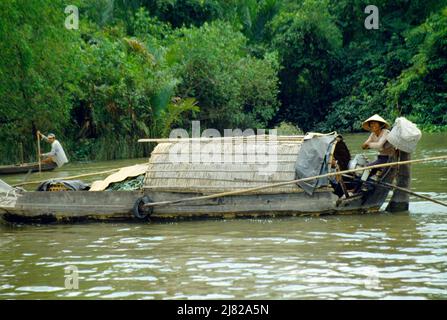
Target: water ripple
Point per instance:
(372, 257)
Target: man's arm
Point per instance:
(53, 151)
(42, 136)
(365, 145)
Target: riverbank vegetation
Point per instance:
(138, 68)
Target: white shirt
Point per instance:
(380, 142)
(57, 152)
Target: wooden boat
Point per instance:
(168, 179)
(26, 167)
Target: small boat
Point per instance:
(180, 169)
(26, 167)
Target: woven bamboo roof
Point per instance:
(219, 165)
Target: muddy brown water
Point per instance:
(377, 256)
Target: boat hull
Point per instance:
(69, 206)
(24, 168)
(74, 206)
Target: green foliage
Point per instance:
(149, 28)
(170, 117)
(232, 88)
(397, 71)
(178, 13)
(258, 90)
(139, 68)
(422, 86)
(36, 74)
(124, 95)
(308, 43)
(288, 129)
(186, 12)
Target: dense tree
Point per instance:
(378, 66)
(421, 89)
(308, 43)
(232, 88)
(37, 72)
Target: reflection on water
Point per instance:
(374, 256)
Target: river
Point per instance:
(376, 256)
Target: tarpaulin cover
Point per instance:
(123, 174)
(312, 161)
(74, 185)
(4, 187)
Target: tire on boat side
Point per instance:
(139, 211)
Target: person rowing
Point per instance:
(57, 153)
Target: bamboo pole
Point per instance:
(38, 152)
(21, 152)
(280, 184)
(260, 138)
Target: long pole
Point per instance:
(254, 138)
(280, 184)
(38, 152)
(21, 152)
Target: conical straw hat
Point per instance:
(377, 118)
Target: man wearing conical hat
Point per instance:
(378, 139)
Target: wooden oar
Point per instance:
(21, 153)
(38, 152)
(280, 184)
(392, 186)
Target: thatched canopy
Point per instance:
(220, 164)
